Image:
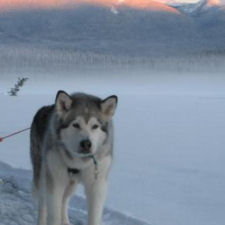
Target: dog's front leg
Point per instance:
(42, 213)
(96, 194)
(54, 206)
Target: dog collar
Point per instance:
(76, 171)
(73, 170)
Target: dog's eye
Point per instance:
(76, 125)
(95, 126)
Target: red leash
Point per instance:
(10, 135)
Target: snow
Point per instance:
(17, 208)
(169, 157)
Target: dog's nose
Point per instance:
(85, 146)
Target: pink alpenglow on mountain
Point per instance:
(137, 4)
(211, 3)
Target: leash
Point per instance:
(13, 134)
(95, 161)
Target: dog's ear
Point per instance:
(63, 102)
(108, 106)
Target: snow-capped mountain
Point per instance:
(120, 29)
(93, 28)
(196, 8)
(149, 5)
(152, 5)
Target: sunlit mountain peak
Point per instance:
(211, 3)
(136, 4)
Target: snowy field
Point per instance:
(169, 148)
(17, 208)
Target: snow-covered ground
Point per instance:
(17, 208)
(169, 152)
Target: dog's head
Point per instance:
(83, 121)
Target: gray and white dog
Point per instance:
(71, 143)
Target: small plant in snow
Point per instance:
(20, 82)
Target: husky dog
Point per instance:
(71, 143)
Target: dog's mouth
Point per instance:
(84, 152)
(82, 155)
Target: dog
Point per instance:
(71, 142)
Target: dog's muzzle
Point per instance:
(85, 147)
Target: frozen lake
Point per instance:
(169, 148)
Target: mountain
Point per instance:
(146, 5)
(50, 4)
(123, 30)
(213, 3)
(208, 17)
(188, 8)
(196, 8)
(95, 28)
(211, 24)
